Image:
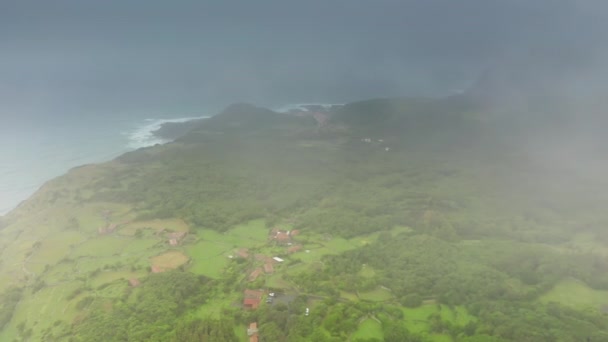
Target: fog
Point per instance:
(66, 56)
(542, 62)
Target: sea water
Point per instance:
(33, 151)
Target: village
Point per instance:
(258, 264)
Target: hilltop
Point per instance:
(406, 219)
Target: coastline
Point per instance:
(27, 171)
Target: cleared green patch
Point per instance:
(369, 328)
(169, 260)
(276, 281)
(176, 225)
(100, 246)
(349, 295)
(401, 229)
(367, 272)
(108, 277)
(458, 315)
(45, 307)
(440, 338)
(213, 308)
(212, 268)
(416, 319)
(252, 234)
(588, 242)
(60, 272)
(208, 258)
(575, 294)
(255, 230)
(378, 295)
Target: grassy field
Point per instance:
(576, 294)
(43, 308)
(169, 260)
(208, 258)
(377, 295)
(111, 276)
(416, 318)
(369, 328)
(176, 225)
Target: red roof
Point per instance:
(252, 303)
(257, 294)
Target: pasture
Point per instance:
(368, 329)
(576, 294)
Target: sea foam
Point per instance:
(143, 136)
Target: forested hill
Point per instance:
(388, 220)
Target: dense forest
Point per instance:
(462, 235)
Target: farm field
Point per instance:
(576, 294)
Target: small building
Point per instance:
(109, 229)
(277, 259)
(156, 269)
(260, 257)
(175, 238)
(253, 329)
(251, 303)
(252, 299)
(134, 282)
(294, 249)
(255, 274)
(243, 253)
(252, 332)
(282, 237)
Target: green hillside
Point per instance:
(398, 220)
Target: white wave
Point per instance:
(302, 107)
(144, 136)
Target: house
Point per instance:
(321, 118)
(243, 253)
(156, 269)
(252, 332)
(294, 249)
(277, 259)
(261, 257)
(175, 238)
(268, 268)
(110, 228)
(282, 237)
(253, 329)
(255, 274)
(252, 299)
(134, 282)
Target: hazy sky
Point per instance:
(188, 54)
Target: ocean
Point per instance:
(33, 151)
